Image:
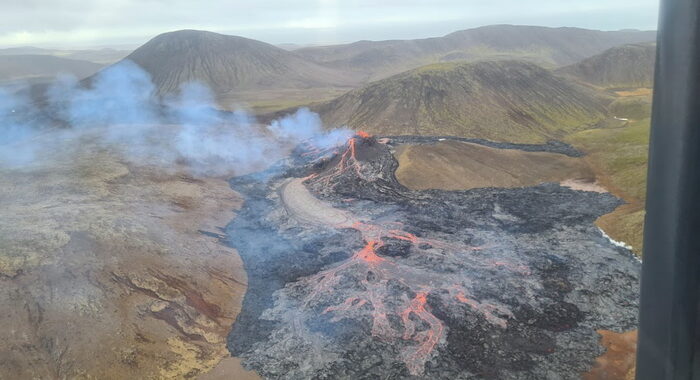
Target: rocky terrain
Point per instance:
(352, 275)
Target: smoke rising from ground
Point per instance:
(118, 111)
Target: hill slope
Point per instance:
(227, 63)
(25, 50)
(42, 67)
(622, 66)
(547, 46)
(501, 100)
(619, 157)
(105, 56)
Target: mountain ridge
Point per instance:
(630, 65)
(501, 100)
(227, 64)
(542, 45)
(40, 67)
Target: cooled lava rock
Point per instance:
(394, 247)
(353, 276)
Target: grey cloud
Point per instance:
(305, 21)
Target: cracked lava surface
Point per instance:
(351, 275)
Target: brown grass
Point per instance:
(619, 359)
(453, 165)
(635, 92)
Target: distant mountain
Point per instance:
(542, 45)
(228, 64)
(622, 66)
(501, 100)
(25, 50)
(103, 56)
(41, 68)
(291, 46)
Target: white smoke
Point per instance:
(119, 112)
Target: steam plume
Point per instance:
(119, 111)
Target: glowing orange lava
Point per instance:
(427, 340)
(348, 160)
(368, 254)
(420, 328)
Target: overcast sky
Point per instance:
(91, 23)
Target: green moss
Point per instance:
(268, 106)
(496, 100)
(632, 108)
(619, 156)
(434, 68)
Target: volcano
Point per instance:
(353, 276)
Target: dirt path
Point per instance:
(306, 208)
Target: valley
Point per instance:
(412, 301)
(440, 208)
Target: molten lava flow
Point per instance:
(368, 253)
(363, 134)
(348, 159)
(415, 314)
(375, 297)
(427, 340)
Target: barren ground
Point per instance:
(306, 208)
(115, 271)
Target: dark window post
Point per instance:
(669, 333)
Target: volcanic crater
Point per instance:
(353, 276)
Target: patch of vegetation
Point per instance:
(539, 55)
(269, 106)
(619, 156)
(642, 91)
(636, 108)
